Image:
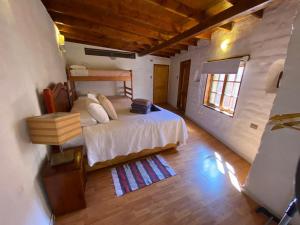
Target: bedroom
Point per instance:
(227, 164)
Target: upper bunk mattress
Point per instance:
(132, 132)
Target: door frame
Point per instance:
(179, 88)
(153, 89)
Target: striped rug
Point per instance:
(138, 174)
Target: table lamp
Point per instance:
(55, 129)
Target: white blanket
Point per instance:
(132, 133)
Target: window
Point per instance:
(222, 91)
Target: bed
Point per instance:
(129, 137)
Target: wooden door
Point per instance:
(160, 83)
(183, 84)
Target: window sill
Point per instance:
(218, 110)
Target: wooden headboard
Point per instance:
(57, 98)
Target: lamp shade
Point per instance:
(54, 128)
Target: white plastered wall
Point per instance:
(271, 179)
(142, 70)
(266, 41)
(29, 61)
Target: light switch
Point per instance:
(253, 126)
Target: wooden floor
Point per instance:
(205, 191)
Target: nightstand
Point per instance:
(65, 184)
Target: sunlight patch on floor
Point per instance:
(228, 170)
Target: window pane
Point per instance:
(226, 102)
(217, 100)
(232, 104)
(231, 77)
(216, 77)
(222, 77)
(236, 89)
(220, 87)
(214, 86)
(240, 74)
(228, 88)
(212, 98)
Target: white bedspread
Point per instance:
(132, 133)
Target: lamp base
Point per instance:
(61, 158)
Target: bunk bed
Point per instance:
(83, 75)
(134, 135)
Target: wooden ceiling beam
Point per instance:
(167, 53)
(206, 36)
(172, 51)
(93, 15)
(164, 55)
(134, 11)
(102, 40)
(242, 8)
(84, 25)
(117, 13)
(119, 42)
(184, 10)
(189, 41)
(258, 14)
(79, 40)
(179, 8)
(180, 47)
(227, 26)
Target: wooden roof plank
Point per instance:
(100, 41)
(258, 14)
(180, 9)
(80, 40)
(243, 7)
(95, 27)
(93, 15)
(134, 13)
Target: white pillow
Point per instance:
(97, 111)
(86, 119)
(93, 97)
(108, 106)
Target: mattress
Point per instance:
(74, 142)
(132, 132)
(119, 102)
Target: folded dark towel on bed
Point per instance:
(140, 111)
(142, 107)
(140, 101)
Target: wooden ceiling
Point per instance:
(157, 27)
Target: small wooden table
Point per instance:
(65, 184)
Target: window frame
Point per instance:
(207, 93)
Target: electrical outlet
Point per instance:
(253, 126)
